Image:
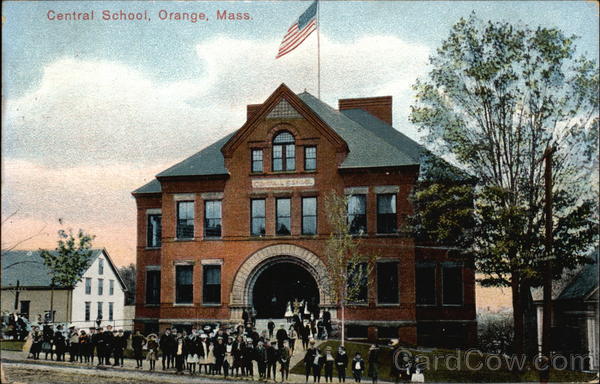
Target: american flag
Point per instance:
(299, 31)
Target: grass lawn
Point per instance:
(11, 345)
(448, 372)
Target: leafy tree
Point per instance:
(348, 269)
(128, 274)
(496, 97)
(69, 261)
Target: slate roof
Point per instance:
(583, 284)
(208, 161)
(151, 187)
(28, 267)
(367, 149)
(371, 141)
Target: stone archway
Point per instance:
(245, 278)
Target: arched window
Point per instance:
(284, 152)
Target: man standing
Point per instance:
(327, 322)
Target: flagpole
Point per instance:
(318, 53)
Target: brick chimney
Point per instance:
(251, 110)
(380, 106)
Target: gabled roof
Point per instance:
(370, 142)
(583, 284)
(283, 93)
(27, 266)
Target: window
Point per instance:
(452, 284)
(425, 284)
(358, 283)
(387, 283)
(152, 287)
(111, 311)
(309, 215)
(88, 285)
(211, 288)
(386, 213)
(185, 219)
(258, 217)
(283, 213)
(284, 152)
(154, 231)
(25, 305)
(100, 266)
(257, 160)
(212, 218)
(111, 287)
(88, 310)
(310, 158)
(100, 287)
(99, 315)
(183, 284)
(357, 214)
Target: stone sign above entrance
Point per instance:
(279, 183)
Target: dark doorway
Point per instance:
(282, 283)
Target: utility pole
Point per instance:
(547, 273)
(17, 288)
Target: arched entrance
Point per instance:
(250, 272)
(282, 283)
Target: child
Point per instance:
(341, 362)
(179, 355)
(358, 366)
(137, 342)
(329, 361)
(152, 355)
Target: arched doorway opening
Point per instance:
(281, 283)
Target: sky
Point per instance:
(91, 110)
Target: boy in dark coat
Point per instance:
(308, 359)
(60, 344)
(119, 345)
(358, 366)
(108, 340)
(341, 362)
(167, 345)
(261, 359)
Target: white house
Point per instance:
(99, 295)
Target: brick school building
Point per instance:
(241, 224)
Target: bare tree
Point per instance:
(348, 270)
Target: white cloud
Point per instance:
(90, 132)
(99, 111)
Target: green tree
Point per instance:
(348, 269)
(69, 261)
(496, 97)
(128, 274)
